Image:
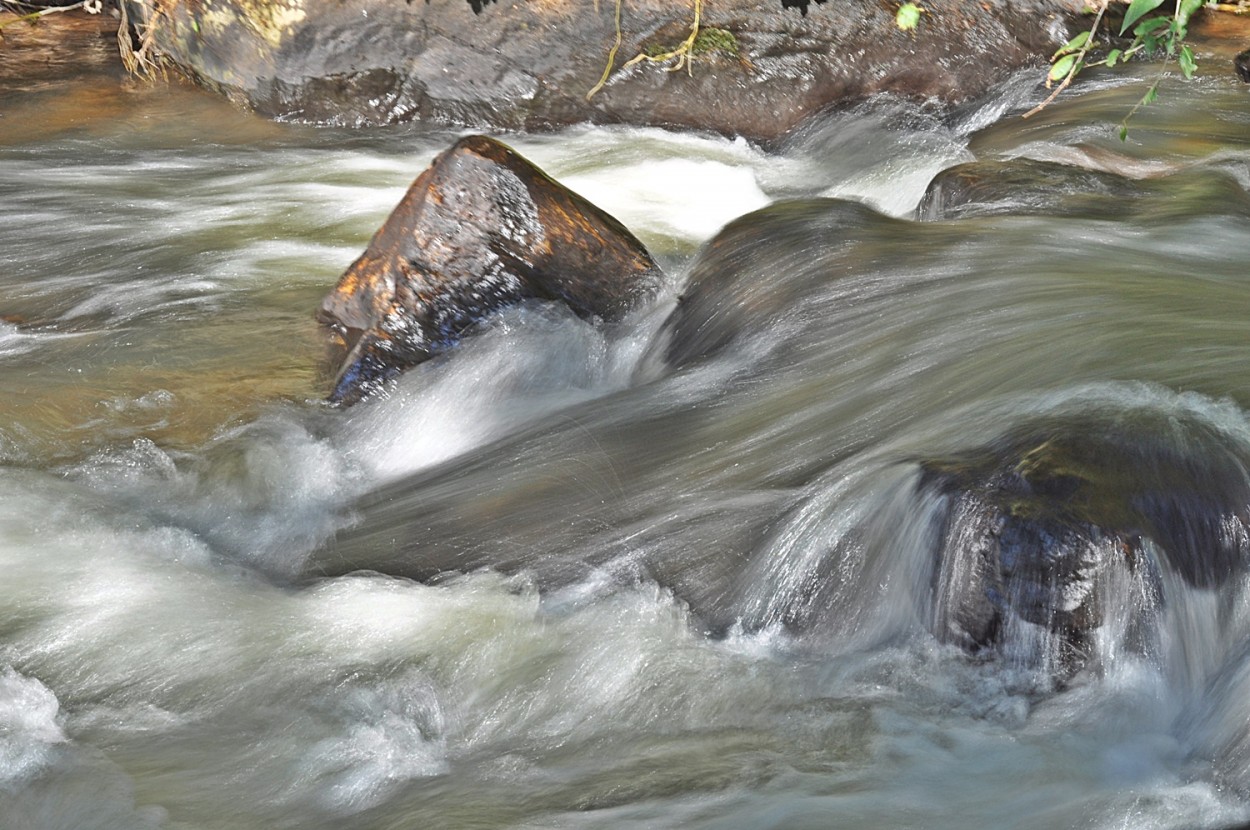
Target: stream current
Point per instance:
(659, 597)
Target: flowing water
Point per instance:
(648, 596)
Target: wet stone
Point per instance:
(518, 65)
(480, 230)
(1028, 187)
(1037, 523)
(1020, 187)
(1241, 65)
(761, 266)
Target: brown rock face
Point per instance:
(528, 64)
(480, 230)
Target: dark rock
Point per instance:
(754, 272)
(1021, 187)
(1037, 522)
(996, 566)
(479, 230)
(1027, 187)
(516, 64)
(1241, 65)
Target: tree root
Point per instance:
(683, 52)
(142, 62)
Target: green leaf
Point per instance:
(908, 16)
(1151, 96)
(1149, 27)
(1113, 56)
(1136, 9)
(1187, 62)
(1124, 132)
(1072, 45)
(1061, 68)
(1186, 9)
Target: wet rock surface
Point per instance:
(523, 65)
(481, 229)
(751, 277)
(1020, 186)
(1038, 523)
(1241, 65)
(1029, 187)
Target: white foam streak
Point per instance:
(29, 724)
(679, 198)
(531, 363)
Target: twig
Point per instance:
(1076, 64)
(139, 61)
(683, 52)
(90, 6)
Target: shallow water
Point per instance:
(650, 597)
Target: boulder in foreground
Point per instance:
(480, 230)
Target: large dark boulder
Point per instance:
(1039, 522)
(479, 230)
(517, 64)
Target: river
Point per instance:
(692, 597)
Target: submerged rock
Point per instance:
(1038, 523)
(480, 230)
(759, 67)
(1021, 186)
(1028, 187)
(1241, 65)
(755, 271)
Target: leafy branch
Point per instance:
(1070, 60)
(1150, 34)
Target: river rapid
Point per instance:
(694, 597)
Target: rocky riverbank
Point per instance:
(759, 67)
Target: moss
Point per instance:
(708, 41)
(711, 39)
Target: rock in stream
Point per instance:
(480, 230)
(1039, 522)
